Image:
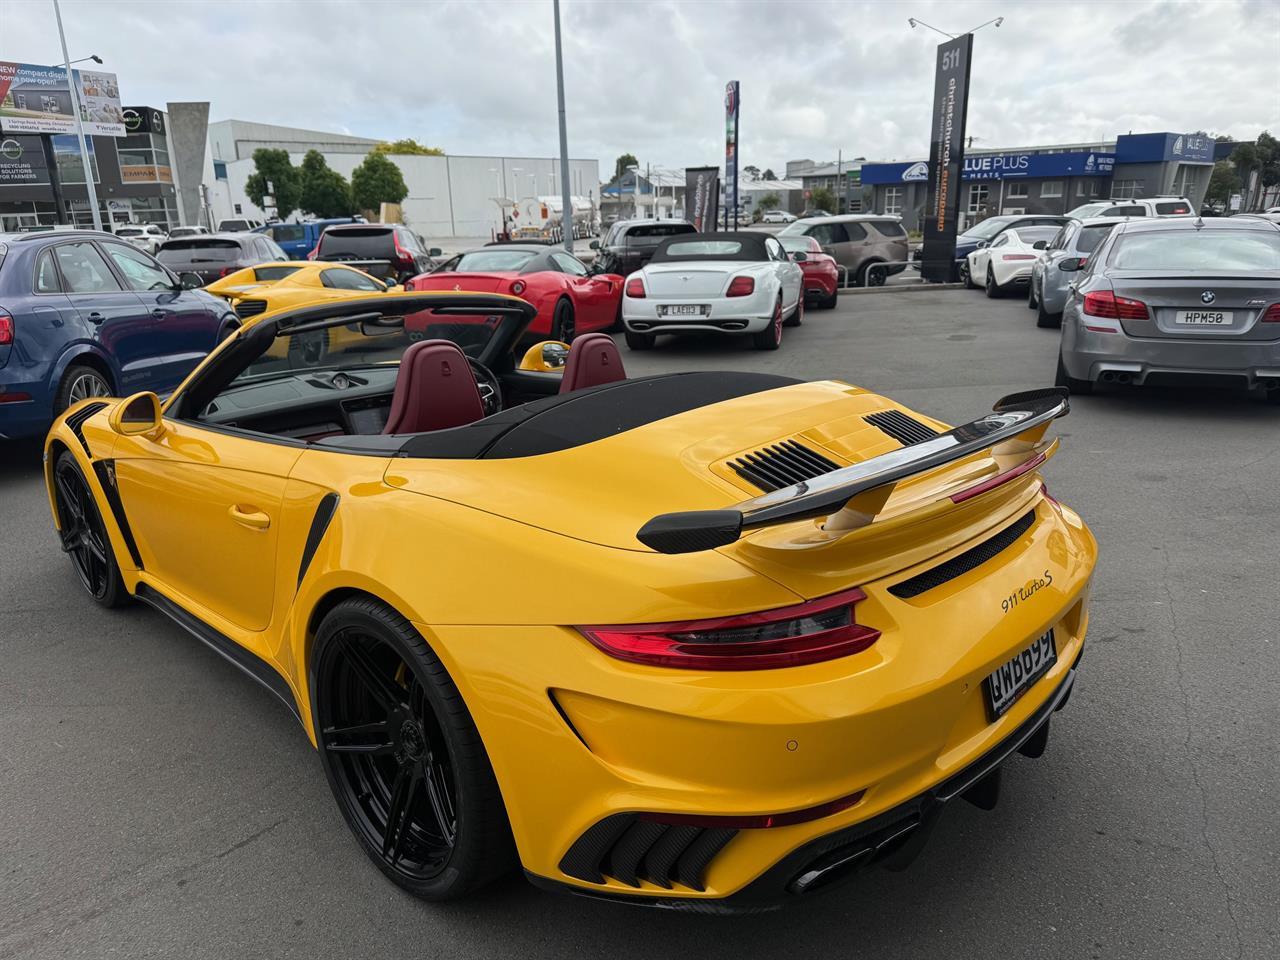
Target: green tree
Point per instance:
(624, 161)
(274, 175)
(410, 146)
(376, 181)
(770, 201)
(823, 199)
(325, 192)
(1223, 182)
(768, 174)
(751, 171)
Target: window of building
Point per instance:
(1086, 188)
(1185, 181)
(1016, 190)
(238, 210)
(893, 200)
(979, 193)
(219, 169)
(1124, 189)
(1051, 188)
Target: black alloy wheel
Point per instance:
(965, 277)
(562, 328)
(1031, 293)
(83, 536)
(992, 288)
(403, 757)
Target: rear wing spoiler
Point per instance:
(1013, 432)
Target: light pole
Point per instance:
(75, 108)
(566, 211)
(515, 185)
(635, 189)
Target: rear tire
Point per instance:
(991, 287)
(770, 338)
(872, 274)
(640, 341)
(562, 326)
(403, 757)
(1081, 388)
(797, 315)
(80, 382)
(1046, 319)
(829, 303)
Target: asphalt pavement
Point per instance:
(155, 803)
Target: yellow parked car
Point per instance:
(712, 640)
(268, 287)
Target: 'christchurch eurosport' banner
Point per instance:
(36, 99)
(946, 158)
(702, 196)
(731, 97)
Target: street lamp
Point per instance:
(93, 56)
(75, 108)
(635, 189)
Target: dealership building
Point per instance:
(1051, 179)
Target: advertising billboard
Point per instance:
(701, 196)
(946, 158)
(36, 99)
(22, 162)
(731, 98)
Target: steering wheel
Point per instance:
(490, 388)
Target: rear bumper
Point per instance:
(892, 839)
(747, 315)
(1088, 355)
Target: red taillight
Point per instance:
(1104, 303)
(517, 287)
(311, 254)
(17, 397)
(635, 288)
(226, 272)
(807, 633)
(6, 329)
(741, 287)
(1271, 316)
(1018, 256)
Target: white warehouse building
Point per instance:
(449, 196)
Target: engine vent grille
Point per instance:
(76, 422)
(629, 848)
(906, 430)
(962, 564)
(781, 465)
(250, 308)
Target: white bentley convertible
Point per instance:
(740, 282)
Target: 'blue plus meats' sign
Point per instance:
(1002, 166)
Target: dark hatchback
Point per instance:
(630, 244)
(387, 250)
(216, 255)
(83, 314)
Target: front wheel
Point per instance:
(1063, 379)
(83, 535)
(403, 756)
(562, 327)
(640, 341)
(965, 276)
(770, 338)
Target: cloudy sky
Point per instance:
(478, 76)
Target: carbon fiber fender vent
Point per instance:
(629, 848)
(963, 563)
(250, 308)
(782, 465)
(906, 430)
(77, 420)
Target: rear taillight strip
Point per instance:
(999, 479)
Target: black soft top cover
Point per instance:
(752, 247)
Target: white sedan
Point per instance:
(1006, 262)
(741, 282)
(144, 236)
(777, 216)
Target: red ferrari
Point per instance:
(570, 300)
(820, 274)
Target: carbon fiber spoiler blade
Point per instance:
(1013, 416)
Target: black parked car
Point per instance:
(630, 243)
(389, 250)
(212, 256)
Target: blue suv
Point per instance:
(83, 315)
(299, 239)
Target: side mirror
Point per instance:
(1071, 264)
(1040, 245)
(138, 415)
(595, 244)
(435, 252)
(549, 356)
(981, 244)
(189, 281)
(799, 256)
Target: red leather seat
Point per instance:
(593, 359)
(435, 390)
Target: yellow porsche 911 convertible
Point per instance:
(704, 640)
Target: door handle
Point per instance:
(96, 317)
(249, 517)
(159, 313)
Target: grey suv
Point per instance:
(857, 241)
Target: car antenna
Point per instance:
(1199, 221)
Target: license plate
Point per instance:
(1015, 676)
(1203, 318)
(683, 310)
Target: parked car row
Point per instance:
(1163, 299)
